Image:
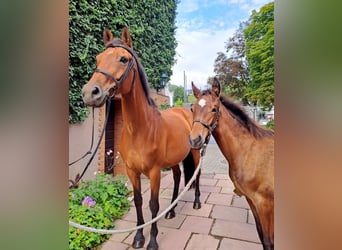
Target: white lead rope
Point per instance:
(113, 231)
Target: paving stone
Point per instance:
(208, 182)
(175, 222)
(196, 224)
(166, 193)
(220, 199)
(229, 213)
(235, 230)
(167, 238)
(202, 242)
(165, 203)
(227, 190)
(122, 224)
(167, 180)
(190, 196)
(204, 211)
(224, 183)
(250, 217)
(232, 244)
(110, 245)
(240, 202)
(210, 189)
(221, 176)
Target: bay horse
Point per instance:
(151, 139)
(248, 148)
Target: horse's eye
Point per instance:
(191, 108)
(123, 59)
(214, 110)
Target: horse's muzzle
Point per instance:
(93, 95)
(196, 143)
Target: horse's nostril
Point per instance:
(95, 90)
(198, 139)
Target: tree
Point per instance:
(231, 67)
(152, 28)
(259, 37)
(178, 94)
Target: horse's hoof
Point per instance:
(138, 243)
(152, 246)
(169, 215)
(197, 205)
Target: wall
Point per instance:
(79, 143)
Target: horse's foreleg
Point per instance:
(154, 206)
(196, 158)
(176, 178)
(197, 202)
(139, 239)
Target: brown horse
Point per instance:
(151, 139)
(248, 148)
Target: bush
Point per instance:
(270, 124)
(179, 103)
(96, 203)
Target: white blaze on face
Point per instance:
(202, 103)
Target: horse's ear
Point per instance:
(107, 36)
(216, 87)
(195, 90)
(126, 37)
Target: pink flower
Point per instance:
(88, 202)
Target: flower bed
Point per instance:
(96, 203)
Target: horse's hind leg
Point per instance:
(139, 239)
(266, 215)
(176, 178)
(264, 223)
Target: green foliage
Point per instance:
(178, 94)
(179, 103)
(152, 27)
(270, 124)
(164, 106)
(191, 98)
(259, 37)
(111, 200)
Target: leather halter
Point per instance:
(209, 127)
(119, 82)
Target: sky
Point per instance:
(203, 27)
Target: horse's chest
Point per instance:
(138, 158)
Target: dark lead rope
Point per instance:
(97, 146)
(91, 144)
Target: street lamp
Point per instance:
(163, 78)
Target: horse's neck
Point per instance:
(232, 139)
(136, 112)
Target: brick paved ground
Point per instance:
(224, 221)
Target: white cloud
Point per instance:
(188, 6)
(196, 52)
(201, 37)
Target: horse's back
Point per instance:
(178, 116)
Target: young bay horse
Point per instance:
(248, 148)
(151, 139)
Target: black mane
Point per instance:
(240, 115)
(143, 77)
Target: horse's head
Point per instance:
(113, 73)
(206, 112)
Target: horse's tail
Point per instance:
(189, 168)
